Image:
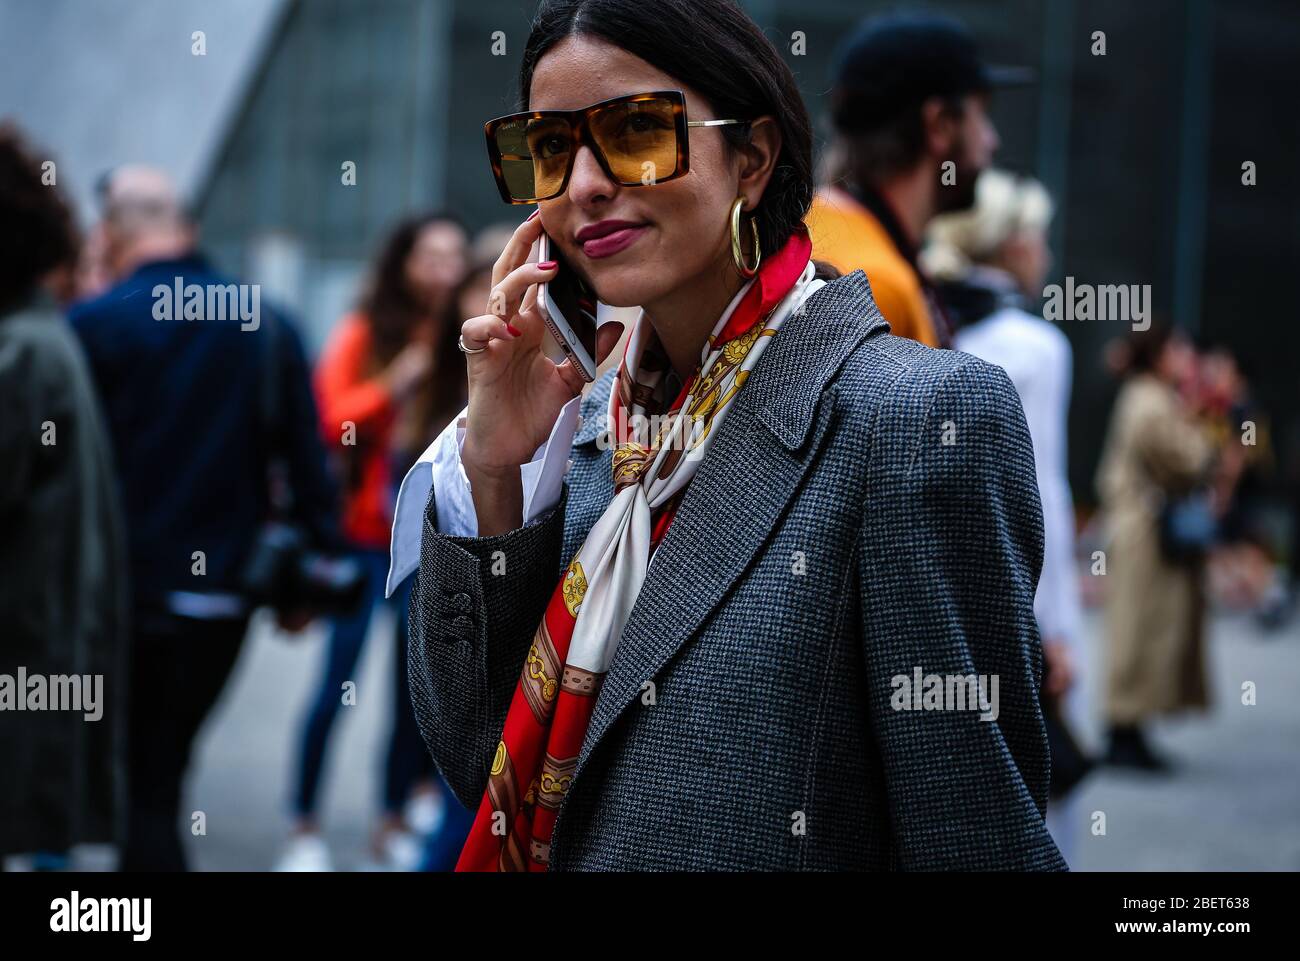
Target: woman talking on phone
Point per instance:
(762, 596)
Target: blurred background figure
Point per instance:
(83, 277)
(185, 406)
(1155, 469)
(388, 381)
(1285, 611)
(442, 847)
(63, 582)
(92, 274)
(909, 103)
(488, 245)
(988, 264)
(1242, 567)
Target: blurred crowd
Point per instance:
(222, 443)
(190, 472)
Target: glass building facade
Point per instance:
(1142, 147)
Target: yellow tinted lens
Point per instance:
(638, 139)
(534, 156)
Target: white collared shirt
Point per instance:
(439, 469)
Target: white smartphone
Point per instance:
(568, 307)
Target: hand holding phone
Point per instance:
(568, 308)
(515, 390)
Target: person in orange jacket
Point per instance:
(912, 134)
(388, 374)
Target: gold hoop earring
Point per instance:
(735, 240)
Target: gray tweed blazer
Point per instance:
(868, 511)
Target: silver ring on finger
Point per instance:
(460, 342)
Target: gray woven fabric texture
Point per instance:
(868, 508)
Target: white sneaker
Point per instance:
(305, 852)
(403, 851)
(425, 811)
(399, 851)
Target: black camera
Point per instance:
(285, 573)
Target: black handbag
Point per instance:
(1188, 527)
(1070, 764)
(284, 570)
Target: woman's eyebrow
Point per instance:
(534, 124)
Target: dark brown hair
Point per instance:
(392, 310)
(1140, 351)
(869, 157)
(38, 233)
(715, 48)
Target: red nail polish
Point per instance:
(514, 331)
(546, 264)
(533, 215)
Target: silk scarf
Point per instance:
(659, 441)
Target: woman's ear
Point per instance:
(758, 159)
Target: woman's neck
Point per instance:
(685, 316)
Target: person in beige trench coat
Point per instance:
(1155, 607)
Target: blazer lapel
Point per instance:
(772, 434)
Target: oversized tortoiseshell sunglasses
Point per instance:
(638, 140)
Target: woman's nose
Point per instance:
(587, 181)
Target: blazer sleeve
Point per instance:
(949, 554)
(902, 303)
(475, 606)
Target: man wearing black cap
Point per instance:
(912, 133)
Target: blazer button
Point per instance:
(462, 629)
(463, 602)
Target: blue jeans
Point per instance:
(408, 760)
(442, 848)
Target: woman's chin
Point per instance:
(623, 286)
(620, 301)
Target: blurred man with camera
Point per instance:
(209, 405)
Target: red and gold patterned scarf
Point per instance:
(659, 443)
